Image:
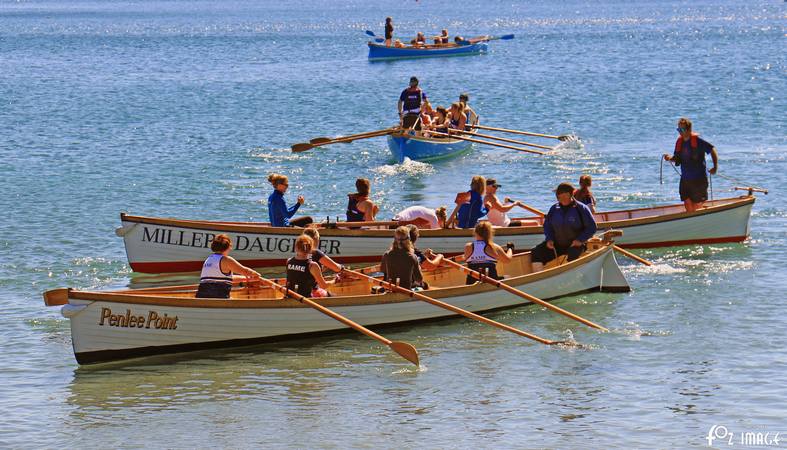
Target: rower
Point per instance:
(409, 105)
(420, 40)
(567, 227)
(278, 212)
(304, 275)
(359, 207)
(422, 217)
(219, 269)
(442, 38)
(482, 254)
(457, 117)
(317, 255)
(584, 195)
(399, 264)
(428, 260)
(470, 205)
(497, 214)
(472, 117)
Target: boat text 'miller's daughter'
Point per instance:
(198, 239)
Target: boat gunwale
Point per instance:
(260, 228)
(338, 301)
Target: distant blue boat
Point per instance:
(379, 52)
(419, 148)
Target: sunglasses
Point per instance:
(681, 130)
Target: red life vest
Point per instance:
(692, 141)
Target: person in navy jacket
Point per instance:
(278, 212)
(567, 227)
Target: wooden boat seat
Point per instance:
(520, 265)
(444, 277)
(351, 287)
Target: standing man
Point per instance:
(409, 105)
(567, 227)
(389, 29)
(690, 151)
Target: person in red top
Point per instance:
(583, 194)
(689, 154)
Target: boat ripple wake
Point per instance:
(635, 332)
(408, 167)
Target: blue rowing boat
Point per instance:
(379, 52)
(418, 148)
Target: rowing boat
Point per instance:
(159, 245)
(408, 144)
(113, 325)
(379, 52)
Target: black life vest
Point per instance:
(412, 101)
(353, 215)
(298, 274)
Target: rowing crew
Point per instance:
(416, 112)
(420, 37)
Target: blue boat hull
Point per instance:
(381, 52)
(425, 149)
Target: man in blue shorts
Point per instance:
(690, 151)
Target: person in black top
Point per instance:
(304, 275)
(318, 256)
(409, 105)
(429, 260)
(388, 31)
(399, 264)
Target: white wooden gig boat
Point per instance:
(116, 325)
(160, 245)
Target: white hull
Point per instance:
(217, 325)
(155, 245)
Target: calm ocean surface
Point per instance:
(175, 108)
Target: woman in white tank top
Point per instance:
(220, 269)
(482, 254)
(497, 214)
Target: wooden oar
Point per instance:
(513, 141)
(304, 146)
(404, 349)
(483, 278)
(475, 40)
(562, 137)
(493, 144)
(452, 308)
(528, 207)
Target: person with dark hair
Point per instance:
(399, 264)
(409, 105)
(456, 117)
(567, 227)
(304, 276)
(472, 117)
(220, 269)
(583, 194)
(389, 29)
(317, 255)
(482, 254)
(359, 207)
(428, 260)
(689, 154)
(278, 212)
(498, 212)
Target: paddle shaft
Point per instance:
(531, 209)
(452, 308)
(483, 278)
(493, 144)
(321, 140)
(513, 141)
(304, 146)
(525, 133)
(340, 318)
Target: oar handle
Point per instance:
(452, 308)
(497, 283)
(493, 144)
(530, 208)
(631, 255)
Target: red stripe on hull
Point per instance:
(720, 240)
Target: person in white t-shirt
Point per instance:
(422, 217)
(497, 214)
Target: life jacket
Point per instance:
(694, 155)
(353, 215)
(412, 101)
(566, 233)
(692, 140)
(298, 274)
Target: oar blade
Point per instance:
(406, 350)
(507, 37)
(370, 33)
(320, 140)
(302, 147)
(56, 297)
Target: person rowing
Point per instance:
(583, 194)
(219, 270)
(359, 207)
(440, 123)
(428, 259)
(422, 217)
(278, 212)
(457, 117)
(470, 205)
(482, 253)
(442, 38)
(304, 276)
(317, 255)
(497, 213)
(567, 227)
(472, 117)
(399, 264)
(419, 41)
